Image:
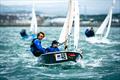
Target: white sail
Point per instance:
(103, 32)
(106, 23)
(72, 19)
(33, 28)
(67, 25)
(101, 29)
(76, 25)
(63, 34)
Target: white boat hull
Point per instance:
(97, 40)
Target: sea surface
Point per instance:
(100, 61)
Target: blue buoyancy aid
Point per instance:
(36, 48)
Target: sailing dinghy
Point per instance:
(72, 19)
(33, 27)
(104, 29)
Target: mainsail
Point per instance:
(33, 28)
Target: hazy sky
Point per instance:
(60, 6)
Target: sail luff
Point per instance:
(76, 25)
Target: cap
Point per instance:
(55, 42)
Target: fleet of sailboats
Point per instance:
(70, 28)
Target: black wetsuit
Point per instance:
(89, 33)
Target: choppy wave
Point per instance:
(100, 61)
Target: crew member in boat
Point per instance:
(23, 33)
(53, 47)
(90, 32)
(36, 47)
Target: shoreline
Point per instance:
(82, 25)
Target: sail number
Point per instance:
(61, 56)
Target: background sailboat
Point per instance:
(104, 29)
(33, 27)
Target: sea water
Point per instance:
(101, 61)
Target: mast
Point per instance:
(70, 23)
(76, 25)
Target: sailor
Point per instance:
(53, 47)
(90, 32)
(36, 47)
(23, 33)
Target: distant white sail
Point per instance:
(71, 16)
(101, 29)
(76, 25)
(109, 24)
(106, 24)
(33, 28)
